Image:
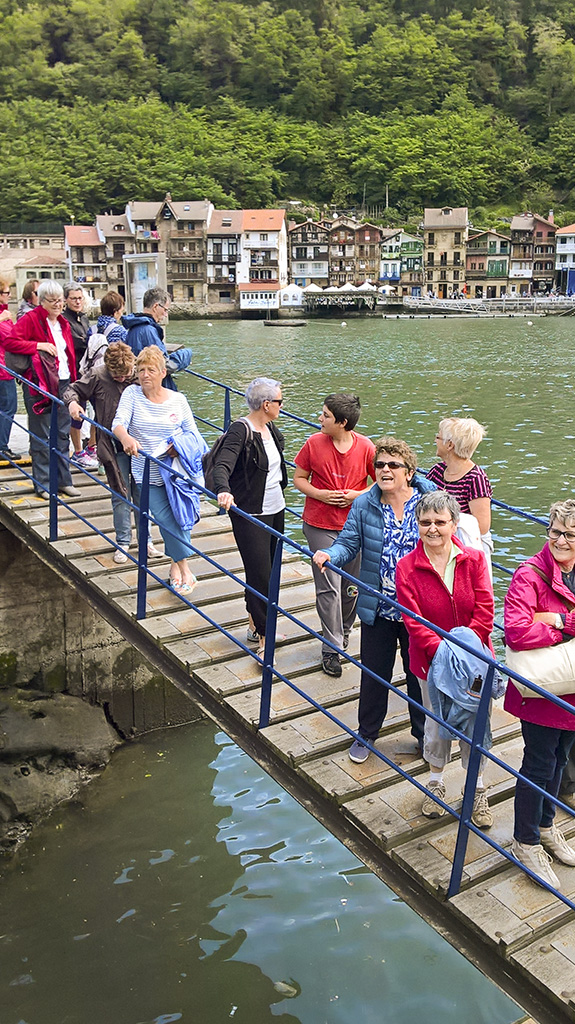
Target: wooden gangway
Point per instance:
(516, 932)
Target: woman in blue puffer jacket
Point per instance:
(381, 525)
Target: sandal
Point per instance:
(184, 589)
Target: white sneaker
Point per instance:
(85, 459)
(537, 860)
(153, 551)
(553, 840)
(120, 557)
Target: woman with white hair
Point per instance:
(250, 472)
(456, 473)
(45, 336)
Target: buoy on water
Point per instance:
(343, 323)
(530, 323)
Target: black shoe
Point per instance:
(330, 665)
(7, 453)
(345, 643)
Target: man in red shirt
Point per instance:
(332, 470)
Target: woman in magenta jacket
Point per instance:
(539, 613)
(449, 585)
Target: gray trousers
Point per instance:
(437, 751)
(335, 598)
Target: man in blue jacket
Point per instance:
(145, 329)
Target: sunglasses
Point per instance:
(279, 401)
(391, 463)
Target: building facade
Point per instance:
(85, 249)
(532, 269)
(263, 263)
(487, 265)
(565, 260)
(445, 238)
(309, 254)
(120, 241)
(224, 242)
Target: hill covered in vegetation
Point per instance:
(330, 101)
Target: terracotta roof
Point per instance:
(260, 286)
(569, 230)
(218, 227)
(437, 217)
(113, 226)
(263, 220)
(44, 258)
(77, 234)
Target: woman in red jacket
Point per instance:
(539, 613)
(45, 336)
(449, 585)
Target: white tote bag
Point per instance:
(551, 668)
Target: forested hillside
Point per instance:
(252, 103)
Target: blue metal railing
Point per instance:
(274, 608)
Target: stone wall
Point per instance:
(52, 641)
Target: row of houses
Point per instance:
(224, 260)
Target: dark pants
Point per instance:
(378, 652)
(257, 548)
(39, 427)
(544, 758)
(8, 406)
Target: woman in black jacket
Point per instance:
(250, 472)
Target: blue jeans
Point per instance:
(177, 548)
(122, 512)
(544, 758)
(39, 427)
(8, 406)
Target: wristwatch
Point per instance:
(559, 621)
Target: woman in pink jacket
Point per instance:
(449, 585)
(539, 613)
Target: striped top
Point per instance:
(474, 484)
(151, 424)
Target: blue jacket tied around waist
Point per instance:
(184, 498)
(451, 676)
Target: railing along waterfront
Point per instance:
(274, 609)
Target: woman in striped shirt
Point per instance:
(147, 415)
(457, 474)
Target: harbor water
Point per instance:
(184, 884)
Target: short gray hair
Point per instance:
(72, 286)
(262, 389)
(155, 295)
(438, 501)
(562, 510)
(49, 289)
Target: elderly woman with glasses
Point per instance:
(44, 335)
(540, 612)
(381, 527)
(250, 472)
(447, 584)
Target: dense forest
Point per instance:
(328, 101)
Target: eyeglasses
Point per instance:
(7, 292)
(427, 523)
(554, 534)
(279, 401)
(54, 302)
(391, 463)
(161, 305)
(34, 293)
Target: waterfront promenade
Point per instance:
(517, 933)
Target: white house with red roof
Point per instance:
(263, 265)
(565, 259)
(85, 249)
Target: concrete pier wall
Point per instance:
(53, 641)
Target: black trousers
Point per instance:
(257, 549)
(378, 652)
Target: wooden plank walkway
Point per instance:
(515, 931)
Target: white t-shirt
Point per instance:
(62, 355)
(273, 494)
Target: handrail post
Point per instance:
(471, 782)
(270, 641)
(53, 470)
(143, 528)
(227, 410)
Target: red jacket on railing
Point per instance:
(421, 589)
(527, 594)
(26, 334)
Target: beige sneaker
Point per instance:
(429, 807)
(537, 860)
(553, 840)
(120, 557)
(481, 815)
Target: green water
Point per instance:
(184, 885)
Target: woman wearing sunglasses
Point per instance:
(539, 612)
(381, 526)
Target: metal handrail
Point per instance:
(269, 672)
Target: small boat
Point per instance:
(285, 323)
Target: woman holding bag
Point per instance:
(539, 614)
